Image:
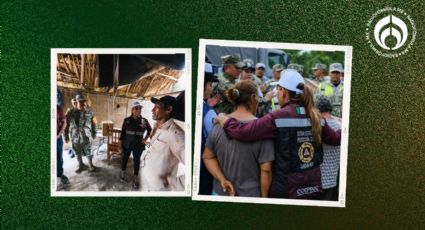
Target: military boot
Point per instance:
(81, 165)
(92, 168)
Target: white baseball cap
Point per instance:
(289, 79)
(136, 103)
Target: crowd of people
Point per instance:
(162, 165)
(273, 137)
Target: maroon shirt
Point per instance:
(60, 118)
(265, 127)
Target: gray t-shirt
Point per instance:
(240, 161)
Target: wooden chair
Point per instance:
(114, 145)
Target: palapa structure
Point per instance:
(81, 72)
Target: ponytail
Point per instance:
(241, 93)
(313, 113)
(307, 99)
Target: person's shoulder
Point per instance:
(174, 132)
(224, 79)
(334, 123)
(176, 127)
(285, 112)
(73, 113)
(216, 131)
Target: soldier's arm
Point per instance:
(93, 128)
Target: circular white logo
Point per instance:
(390, 32)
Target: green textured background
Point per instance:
(385, 184)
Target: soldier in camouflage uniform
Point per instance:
(334, 89)
(273, 103)
(319, 73)
(247, 70)
(82, 131)
(68, 113)
(262, 81)
(232, 67)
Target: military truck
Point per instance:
(267, 56)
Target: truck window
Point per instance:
(275, 58)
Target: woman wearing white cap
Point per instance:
(298, 133)
(133, 139)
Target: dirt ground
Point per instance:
(104, 178)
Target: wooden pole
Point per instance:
(82, 69)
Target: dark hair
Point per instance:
(208, 78)
(241, 93)
(323, 104)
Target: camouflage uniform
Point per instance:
(68, 115)
(324, 78)
(274, 103)
(225, 82)
(263, 105)
(258, 80)
(335, 95)
(83, 131)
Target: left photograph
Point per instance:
(120, 122)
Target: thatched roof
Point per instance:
(81, 71)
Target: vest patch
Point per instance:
(300, 110)
(306, 152)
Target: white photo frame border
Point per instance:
(188, 120)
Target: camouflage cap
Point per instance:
(294, 67)
(248, 64)
(278, 67)
(319, 66)
(232, 59)
(301, 68)
(336, 67)
(80, 97)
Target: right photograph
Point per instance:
(272, 123)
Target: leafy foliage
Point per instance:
(309, 58)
